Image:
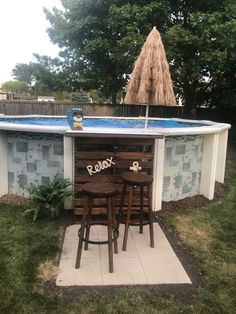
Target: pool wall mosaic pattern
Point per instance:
(33, 159)
(37, 158)
(182, 167)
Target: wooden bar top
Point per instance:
(100, 134)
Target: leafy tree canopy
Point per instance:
(201, 45)
(43, 76)
(17, 87)
(101, 39)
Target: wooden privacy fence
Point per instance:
(90, 109)
(24, 107)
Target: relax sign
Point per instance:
(101, 165)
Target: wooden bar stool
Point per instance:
(133, 180)
(92, 191)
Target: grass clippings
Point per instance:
(14, 199)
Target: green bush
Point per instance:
(48, 197)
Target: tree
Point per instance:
(102, 38)
(16, 87)
(43, 76)
(80, 96)
(23, 72)
(201, 45)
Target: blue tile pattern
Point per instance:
(182, 167)
(33, 158)
(36, 158)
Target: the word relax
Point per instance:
(101, 165)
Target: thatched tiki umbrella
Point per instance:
(150, 81)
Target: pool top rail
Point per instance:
(10, 123)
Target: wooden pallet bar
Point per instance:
(108, 157)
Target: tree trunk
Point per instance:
(190, 103)
(113, 99)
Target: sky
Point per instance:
(23, 32)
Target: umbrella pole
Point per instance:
(146, 116)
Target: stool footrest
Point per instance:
(137, 224)
(115, 232)
(135, 218)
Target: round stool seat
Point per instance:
(137, 179)
(100, 189)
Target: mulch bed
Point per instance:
(194, 201)
(186, 203)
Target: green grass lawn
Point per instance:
(29, 253)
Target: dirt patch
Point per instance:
(47, 270)
(194, 201)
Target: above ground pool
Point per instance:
(186, 157)
(59, 124)
(102, 122)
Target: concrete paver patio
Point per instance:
(139, 265)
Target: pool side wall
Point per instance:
(33, 158)
(182, 167)
(221, 152)
(3, 164)
(69, 166)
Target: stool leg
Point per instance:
(141, 211)
(115, 227)
(81, 236)
(150, 218)
(89, 216)
(109, 228)
(122, 201)
(127, 219)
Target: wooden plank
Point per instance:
(92, 155)
(112, 134)
(134, 155)
(114, 141)
(118, 155)
(103, 178)
(79, 179)
(125, 164)
(99, 202)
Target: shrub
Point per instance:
(48, 197)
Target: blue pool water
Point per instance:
(102, 122)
